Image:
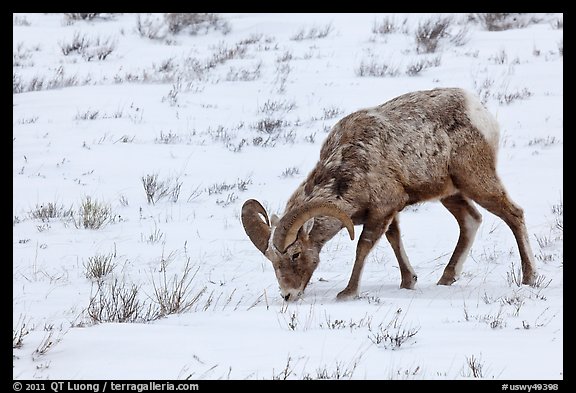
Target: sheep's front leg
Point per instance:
(407, 272)
(373, 230)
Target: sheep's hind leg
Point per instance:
(494, 198)
(469, 220)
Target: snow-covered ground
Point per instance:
(173, 288)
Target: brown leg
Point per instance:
(373, 230)
(407, 272)
(492, 196)
(469, 220)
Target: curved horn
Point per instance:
(257, 230)
(289, 225)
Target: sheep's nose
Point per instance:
(286, 297)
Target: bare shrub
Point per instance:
(48, 342)
(77, 45)
(500, 57)
(418, 66)
(20, 21)
(99, 49)
(391, 339)
(285, 373)
(244, 74)
(230, 199)
(310, 138)
(335, 324)
(313, 33)
(117, 301)
(175, 295)
(430, 32)
(392, 335)
(290, 172)
(172, 98)
(495, 21)
(461, 37)
(17, 85)
(155, 236)
(19, 333)
(90, 49)
(388, 25)
(88, 114)
(499, 21)
(558, 212)
(415, 68)
(283, 70)
(285, 56)
(37, 83)
(544, 241)
(22, 57)
(220, 188)
(508, 97)
(252, 39)
(150, 27)
(195, 193)
(160, 189)
(221, 134)
(331, 112)
(224, 53)
(93, 214)
(339, 372)
(193, 23)
(99, 266)
(514, 276)
(376, 69)
(270, 125)
(542, 282)
(515, 300)
(475, 367)
(74, 16)
(47, 211)
(494, 321)
(242, 184)
(270, 106)
(169, 138)
(505, 96)
(483, 89)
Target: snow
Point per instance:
(200, 131)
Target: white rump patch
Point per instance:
(482, 120)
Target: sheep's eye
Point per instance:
(295, 256)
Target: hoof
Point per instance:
(346, 294)
(446, 281)
(530, 279)
(409, 284)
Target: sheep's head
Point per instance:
(286, 241)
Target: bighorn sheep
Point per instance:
(438, 144)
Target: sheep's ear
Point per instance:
(306, 228)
